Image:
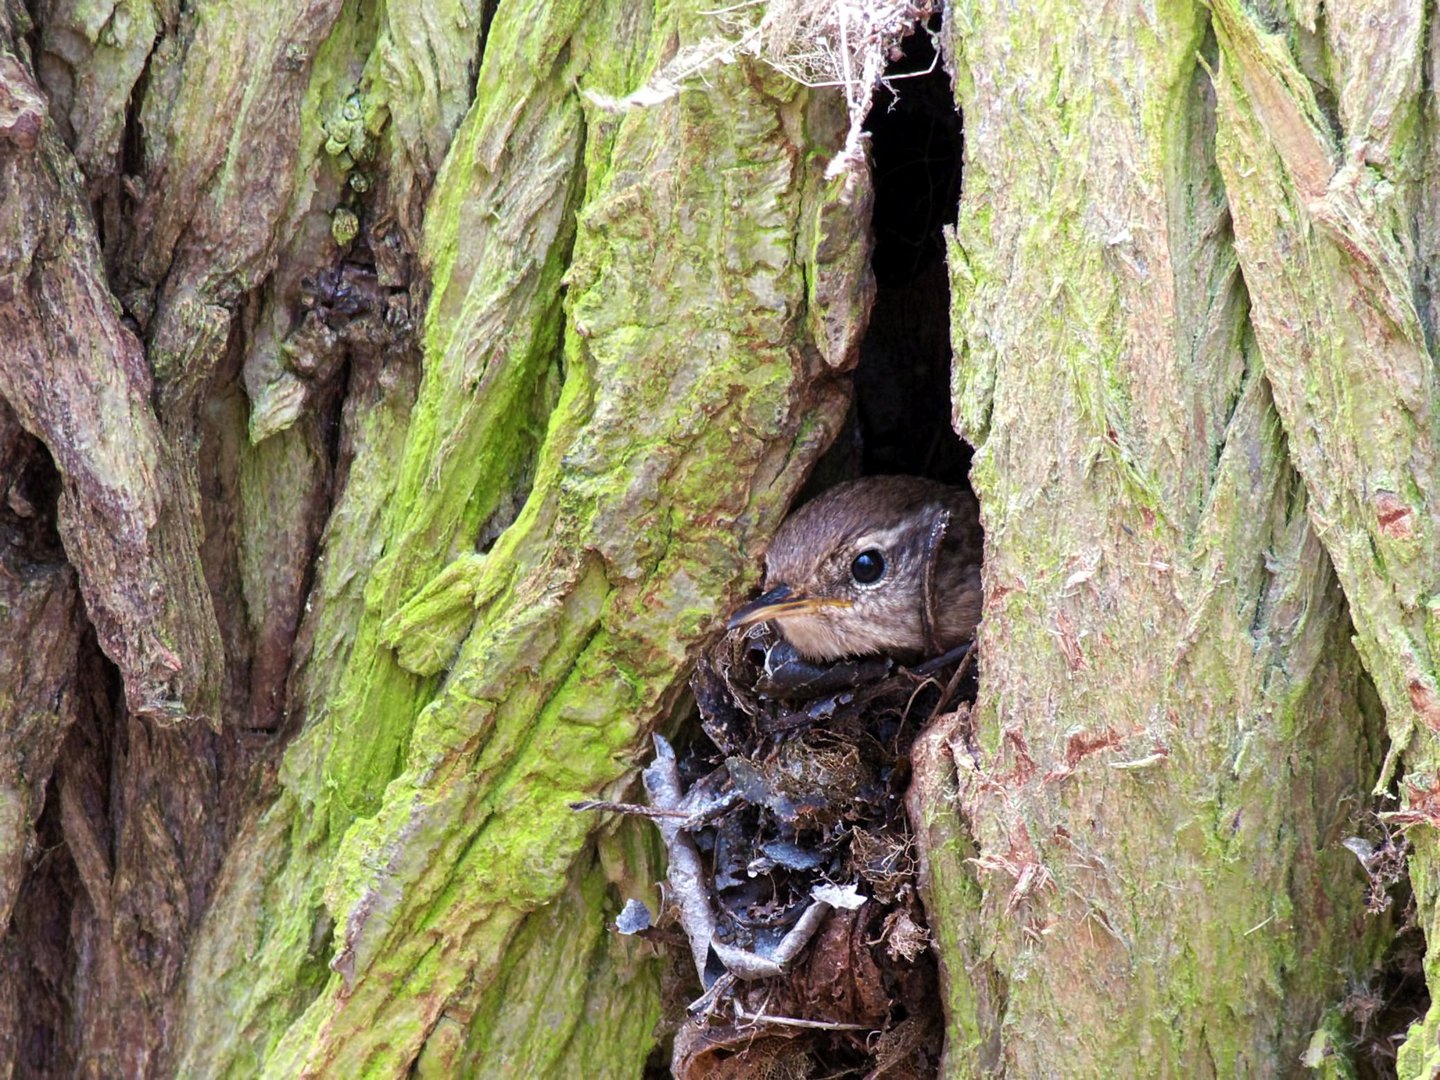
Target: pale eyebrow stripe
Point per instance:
(881, 538)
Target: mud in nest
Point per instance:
(792, 882)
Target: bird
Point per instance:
(881, 565)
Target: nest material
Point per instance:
(792, 867)
(844, 44)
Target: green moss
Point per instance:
(464, 700)
(426, 632)
(1148, 573)
(1328, 1051)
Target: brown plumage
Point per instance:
(885, 564)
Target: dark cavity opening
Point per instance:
(902, 383)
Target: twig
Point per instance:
(626, 808)
(686, 870)
(935, 663)
(702, 1005)
(794, 1021)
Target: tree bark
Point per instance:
(561, 368)
(1189, 355)
(394, 400)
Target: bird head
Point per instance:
(847, 574)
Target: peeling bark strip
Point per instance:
(207, 225)
(22, 106)
(77, 378)
(1162, 626)
(41, 612)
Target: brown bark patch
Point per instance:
(1422, 698)
(1069, 642)
(1394, 517)
(1423, 807)
(1024, 764)
(1080, 745)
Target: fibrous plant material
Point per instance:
(791, 871)
(838, 43)
(844, 43)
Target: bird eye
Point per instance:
(868, 567)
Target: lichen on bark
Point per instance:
(657, 427)
(374, 342)
(1161, 618)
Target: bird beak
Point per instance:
(777, 604)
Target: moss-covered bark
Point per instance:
(526, 383)
(379, 391)
(422, 818)
(1328, 202)
(1171, 730)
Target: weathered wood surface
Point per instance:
(471, 402)
(388, 420)
(1136, 857)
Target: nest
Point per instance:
(792, 870)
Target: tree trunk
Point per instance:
(1174, 729)
(395, 397)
